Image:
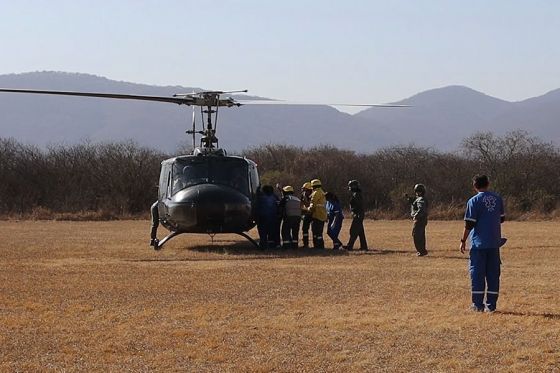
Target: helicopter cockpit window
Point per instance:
(186, 174)
(201, 170)
(231, 172)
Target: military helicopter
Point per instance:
(207, 191)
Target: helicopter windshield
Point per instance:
(232, 172)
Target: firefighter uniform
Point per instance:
(305, 198)
(318, 213)
(290, 211)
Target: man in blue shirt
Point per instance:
(483, 218)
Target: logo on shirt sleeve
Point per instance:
(489, 202)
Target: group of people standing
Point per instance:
(279, 218)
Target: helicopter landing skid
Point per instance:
(159, 244)
(249, 239)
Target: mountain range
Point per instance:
(440, 118)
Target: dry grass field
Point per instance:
(94, 297)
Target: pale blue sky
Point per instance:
(353, 51)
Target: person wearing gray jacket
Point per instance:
(290, 212)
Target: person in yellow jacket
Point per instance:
(318, 212)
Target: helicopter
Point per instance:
(207, 191)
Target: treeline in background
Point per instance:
(118, 180)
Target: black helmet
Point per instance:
(353, 184)
(420, 188)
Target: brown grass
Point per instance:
(93, 296)
(437, 212)
(41, 213)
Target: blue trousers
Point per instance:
(333, 233)
(484, 267)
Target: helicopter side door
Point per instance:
(164, 190)
(253, 178)
(254, 184)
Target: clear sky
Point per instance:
(319, 50)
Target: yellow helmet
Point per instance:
(316, 183)
(307, 185)
(288, 188)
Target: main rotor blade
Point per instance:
(187, 99)
(174, 100)
(201, 93)
(280, 102)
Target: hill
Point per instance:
(443, 117)
(51, 119)
(439, 118)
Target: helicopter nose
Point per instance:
(218, 208)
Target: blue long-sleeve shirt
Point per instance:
(334, 210)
